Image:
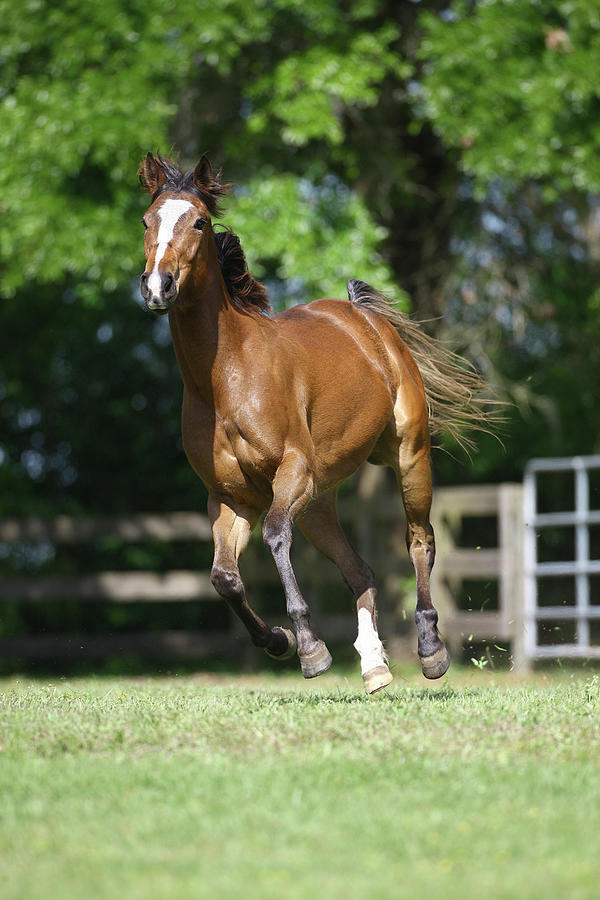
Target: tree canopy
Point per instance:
(445, 152)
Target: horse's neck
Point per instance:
(205, 328)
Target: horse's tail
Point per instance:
(455, 391)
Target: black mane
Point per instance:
(243, 288)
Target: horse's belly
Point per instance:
(344, 436)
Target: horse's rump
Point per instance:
(454, 389)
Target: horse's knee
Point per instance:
(227, 583)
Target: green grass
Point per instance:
(264, 787)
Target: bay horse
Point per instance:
(278, 410)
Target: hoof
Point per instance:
(292, 645)
(436, 665)
(377, 678)
(316, 662)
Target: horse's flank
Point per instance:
(457, 396)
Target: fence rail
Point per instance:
(374, 518)
(174, 526)
(376, 524)
(118, 587)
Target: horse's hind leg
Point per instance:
(231, 532)
(292, 490)
(321, 526)
(414, 475)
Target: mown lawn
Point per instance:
(273, 787)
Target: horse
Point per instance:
(278, 410)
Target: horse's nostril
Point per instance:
(144, 284)
(168, 285)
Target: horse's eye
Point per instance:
(199, 224)
(144, 223)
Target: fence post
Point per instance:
(511, 532)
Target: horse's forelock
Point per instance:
(177, 181)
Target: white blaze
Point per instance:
(169, 215)
(367, 643)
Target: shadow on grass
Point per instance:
(345, 697)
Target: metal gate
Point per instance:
(572, 606)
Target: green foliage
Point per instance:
(507, 87)
(88, 89)
(308, 90)
(509, 84)
(91, 410)
(77, 112)
(331, 229)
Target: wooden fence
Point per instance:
(374, 520)
(500, 565)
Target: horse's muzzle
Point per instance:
(159, 291)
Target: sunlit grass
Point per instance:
(260, 786)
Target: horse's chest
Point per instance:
(256, 455)
(224, 452)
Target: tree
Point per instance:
(366, 139)
(509, 84)
(87, 91)
(507, 88)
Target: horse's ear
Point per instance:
(203, 173)
(209, 185)
(151, 174)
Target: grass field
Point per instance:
(266, 787)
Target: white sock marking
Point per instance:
(367, 643)
(169, 214)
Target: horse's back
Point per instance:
(343, 330)
(336, 349)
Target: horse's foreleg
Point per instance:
(231, 532)
(415, 481)
(321, 526)
(292, 490)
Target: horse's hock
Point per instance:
(477, 578)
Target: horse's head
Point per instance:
(178, 226)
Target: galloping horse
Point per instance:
(279, 410)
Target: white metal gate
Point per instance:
(586, 608)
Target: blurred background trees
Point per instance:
(445, 152)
